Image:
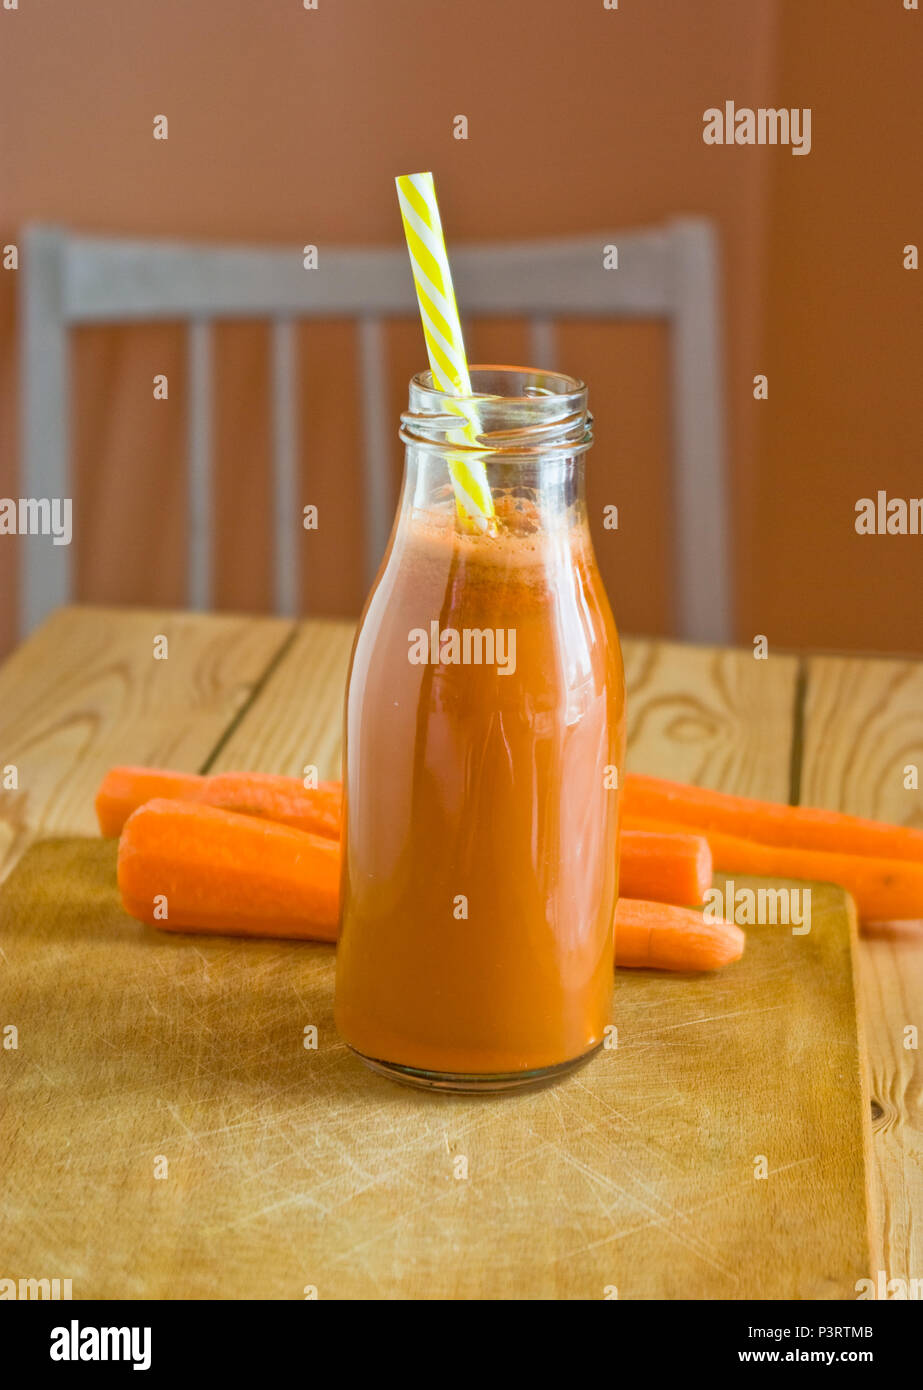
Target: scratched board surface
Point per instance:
(285, 1168)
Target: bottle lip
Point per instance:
(532, 384)
(513, 411)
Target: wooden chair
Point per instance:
(668, 273)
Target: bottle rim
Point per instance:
(513, 411)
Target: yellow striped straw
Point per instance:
(445, 347)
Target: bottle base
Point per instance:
(475, 1083)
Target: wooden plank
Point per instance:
(86, 691)
(296, 720)
(863, 724)
(711, 716)
(699, 714)
(289, 1167)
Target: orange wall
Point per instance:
(288, 126)
(844, 345)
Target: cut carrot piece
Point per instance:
(657, 937)
(185, 867)
(664, 867)
(284, 799)
(884, 890)
(124, 789)
(653, 800)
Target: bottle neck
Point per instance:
(529, 430)
(536, 495)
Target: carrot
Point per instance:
(283, 799)
(186, 867)
(672, 938)
(668, 868)
(647, 801)
(880, 865)
(664, 867)
(653, 800)
(124, 789)
(884, 890)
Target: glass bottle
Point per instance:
(485, 728)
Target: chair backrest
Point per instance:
(668, 273)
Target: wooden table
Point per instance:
(87, 691)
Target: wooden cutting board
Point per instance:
(290, 1169)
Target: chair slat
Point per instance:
(200, 491)
(47, 569)
(702, 521)
(286, 508)
(378, 491)
(542, 344)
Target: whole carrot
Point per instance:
(186, 867)
(282, 799)
(884, 890)
(653, 800)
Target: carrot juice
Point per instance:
(484, 743)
